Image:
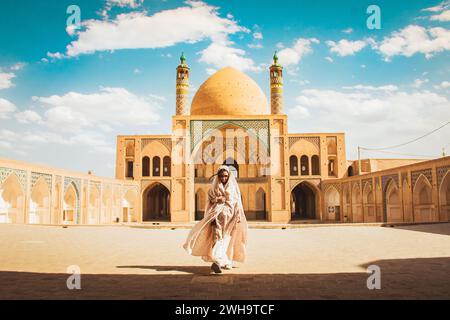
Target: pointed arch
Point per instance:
(393, 211)
(156, 202)
(356, 203)
(145, 166)
(260, 204)
(305, 201)
(304, 165)
(166, 166)
(12, 199)
(369, 203)
(39, 210)
(423, 206)
(156, 165)
(70, 213)
(444, 197)
(332, 203)
(293, 165)
(130, 206)
(422, 191)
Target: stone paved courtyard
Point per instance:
(305, 263)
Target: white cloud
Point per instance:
(109, 4)
(443, 16)
(110, 107)
(387, 88)
(415, 39)
(30, 139)
(329, 59)
(18, 66)
(255, 46)
(348, 30)
(440, 7)
(5, 80)
(443, 85)
(346, 47)
(258, 35)
(222, 55)
(125, 3)
(211, 71)
(6, 108)
(300, 82)
(293, 55)
(28, 116)
(442, 12)
(419, 82)
(55, 55)
(299, 112)
(373, 117)
(189, 24)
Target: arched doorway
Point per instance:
(303, 202)
(70, 206)
(393, 209)
(156, 200)
(129, 206)
(444, 197)
(332, 204)
(260, 202)
(11, 201)
(40, 203)
(423, 200)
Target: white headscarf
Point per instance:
(231, 186)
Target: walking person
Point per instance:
(221, 236)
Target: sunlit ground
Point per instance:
(306, 263)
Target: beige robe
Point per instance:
(220, 220)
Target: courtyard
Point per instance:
(303, 263)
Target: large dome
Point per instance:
(229, 92)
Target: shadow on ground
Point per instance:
(400, 279)
(436, 228)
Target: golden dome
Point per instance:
(229, 92)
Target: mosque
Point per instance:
(284, 177)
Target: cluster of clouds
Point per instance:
(441, 12)
(7, 75)
(198, 21)
(88, 119)
(192, 23)
(370, 114)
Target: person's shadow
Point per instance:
(196, 270)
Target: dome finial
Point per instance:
(275, 58)
(182, 58)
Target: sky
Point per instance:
(68, 87)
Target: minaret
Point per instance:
(182, 90)
(276, 87)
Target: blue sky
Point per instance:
(66, 94)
